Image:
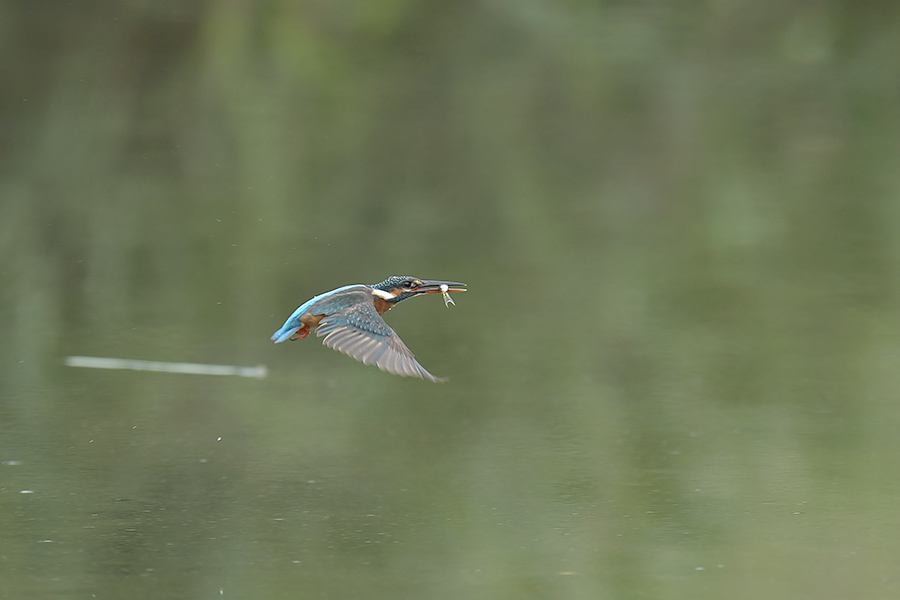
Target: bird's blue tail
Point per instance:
(294, 322)
(286, 331)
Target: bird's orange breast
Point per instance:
(381, 305)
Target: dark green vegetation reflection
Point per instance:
(675, 374)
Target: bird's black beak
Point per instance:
(435, 287)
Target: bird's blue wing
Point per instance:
(354, 327)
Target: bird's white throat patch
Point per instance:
(382, 294)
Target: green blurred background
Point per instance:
(675, 374)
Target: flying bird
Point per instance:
(349, 318)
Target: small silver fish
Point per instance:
(447, 299)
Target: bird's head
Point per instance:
(397, 288)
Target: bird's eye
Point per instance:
(412, 284)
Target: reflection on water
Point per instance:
(674, 374)
(98, 362)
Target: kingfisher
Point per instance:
(349, 318)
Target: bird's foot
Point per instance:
(300, 333)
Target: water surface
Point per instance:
(674, 376)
